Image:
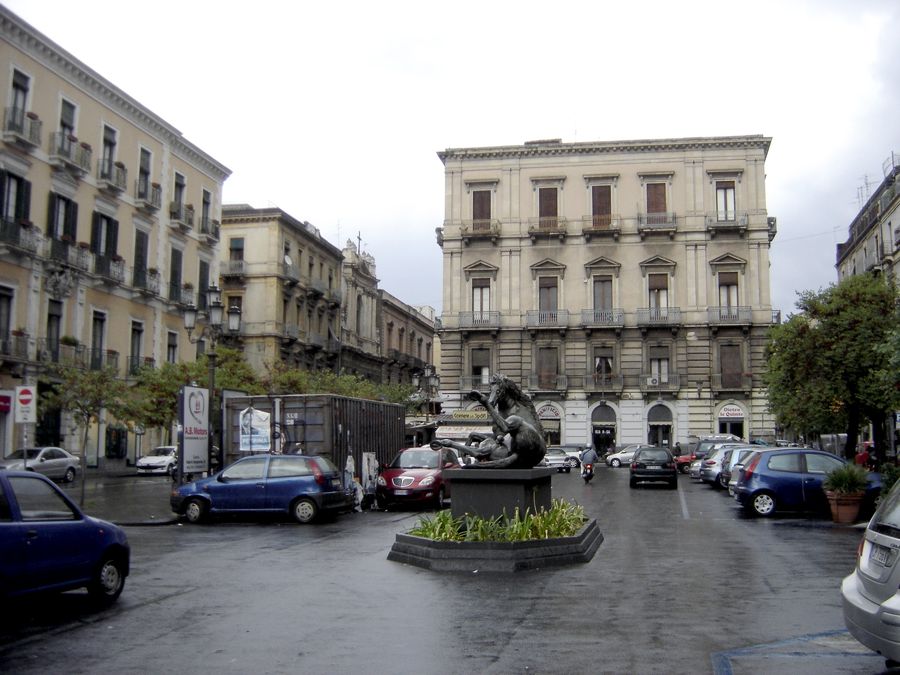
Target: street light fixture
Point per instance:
(428, 383)
(213, 331)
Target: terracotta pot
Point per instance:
(844, 507)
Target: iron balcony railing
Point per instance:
(603, 317)
(551, 226)
(209, 228)
(663, 316)
(22, 126)
(14, 346)
(112, 175)
(145, 280)
(729, 315)
(136, 363)
(604, 382)
(480, 229)
(548, 382)
(232, 268)
(731, 382)
(473, 383)
(110, 268)
(65, 150)
(102, 358)
(57, 351)
(147, 195)
(656, 382)
(660, 220)
(20, 234)
(479, 319)
(554, 318)
(181, 216)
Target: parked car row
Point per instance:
(50, 461)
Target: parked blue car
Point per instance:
(302, 486)
(48, 544)
(790, 479)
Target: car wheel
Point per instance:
(108, 581)
(571, 463)
(170, 471)
(70, 475)
(684, 468)
(763, 504)
(195, 510)
(722, 482)
(304, 510)
(615, 463)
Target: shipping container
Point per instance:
(317, 424)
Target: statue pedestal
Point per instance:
(491, 492)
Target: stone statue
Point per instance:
(518, 441)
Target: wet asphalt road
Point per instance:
(683, 583)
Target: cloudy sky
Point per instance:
(334, 111)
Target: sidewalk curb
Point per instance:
(146, 523)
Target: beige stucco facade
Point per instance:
(625, 285)
(107, 213)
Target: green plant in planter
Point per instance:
(69, 340)
(849, 479)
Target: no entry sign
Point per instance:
(26, 405)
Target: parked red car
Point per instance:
(416, 476)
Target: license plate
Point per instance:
(401, 493)
(881, 554)
(654, 467)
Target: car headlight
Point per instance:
(425, 482)
(381, 481)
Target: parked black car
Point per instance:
(653, 465)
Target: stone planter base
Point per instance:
(844, 508)
(448, 556)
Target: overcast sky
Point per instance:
(334, 111)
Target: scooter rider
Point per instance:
(589, 456)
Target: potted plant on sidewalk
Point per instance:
(845, 488)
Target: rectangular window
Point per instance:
(601, 205)
(109, 152)
(725, 200)
(481, 209)
(603, 300)
(20, 87)
(6, 307)
(481, 299)
(659, 364)
(481, 366)
(730, 363)
(143, 186)
(172, 347)
(98, 340)
(15, 197)
(104, 235)
(548, 297)
(141, 243)
(603, 365)
(236, 251)
(137, 341)
(548, 207)
(62, 218)
(175, 275)
(178, 195)
(202, 284)
(658, 286)
(728, 295)
(67, 118)
(54, 325)
(205, 207)
(548, 367)
(656, 203)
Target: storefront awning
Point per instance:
(460, 433)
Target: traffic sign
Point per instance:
(26, 405)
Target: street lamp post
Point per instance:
(429, 384)
(214, 331)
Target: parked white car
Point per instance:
(624, 456)
(162, 459)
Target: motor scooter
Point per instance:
(587, 472)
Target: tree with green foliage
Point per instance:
(281, 379)
(86, 394)
(826, 367)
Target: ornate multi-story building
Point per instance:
(624, 285)
(108, 225)
(873, 244)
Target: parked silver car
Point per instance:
(50, 461)
(624, 456)
(870, 599)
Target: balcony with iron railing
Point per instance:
(480, 229)
(548, 382)
(232, 268)
(111, 268)
(656, 383)
(658, 316)
(333, 297)
(316, 340)
(474, 383)
(136, 363)
(727, 221)
(147, 196)
(601, 225)
(547, 318)
(20, 235)
(488, 320)
(14, 346)
(547, 226)
(209, 229)
(181, 216)
(61, 351)
(67, 153)
(603, 318)
(181, 293)
(21, 127)
(316, 288)
(729, 316)
(98, 359)
(657, 223)
(731, 382)
(112, 176)
(146, 280)
(604, 383)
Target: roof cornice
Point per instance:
(551, 148)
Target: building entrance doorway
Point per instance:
(603, 429)
(659, 426)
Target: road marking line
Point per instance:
(684, 509)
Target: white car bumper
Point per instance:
(877, 626)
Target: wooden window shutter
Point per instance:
(658, 352)
(140, 250)
(112, 237)
(52, 209)
(658, 282)
(601, 200)
(96, 224)
(23, 208)
(71, 226)
(548, 203)
(481, 205)
(728, 278)
(481, 358)
(656, 197)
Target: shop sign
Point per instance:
(731, 412)
(548, 412)
(470, 415)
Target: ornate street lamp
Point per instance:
(213, 331)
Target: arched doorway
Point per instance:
(550, 417)
(659, 426)
(603, 428)
(731, 420)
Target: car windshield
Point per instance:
(162, 452)
(653, 455)
(416, 459)
(19, 454)
(887, 519)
